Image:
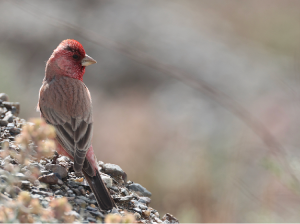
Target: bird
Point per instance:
(65, 103)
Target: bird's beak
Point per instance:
(87, 60)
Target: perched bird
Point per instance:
(65, 102)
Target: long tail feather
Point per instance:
(100, 191)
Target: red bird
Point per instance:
(65, 103)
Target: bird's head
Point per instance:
(69, 59)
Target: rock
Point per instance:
(92, 196)
(145, 200)
(107, 180)
(142, 206)
(15, 131)
(114, 188)
(83, 192)
(73, 213)
(137, 216)
(10, 126)
(146, 213)
(101, 164)
(3, 122)
(15, 190)
(90, 219)
(77, 192)
(137, 210)
(126, 198)
(140, 189)
(62, 171)
(169, 218)
(9, 106)
(124, 191)
(8, 117)
(59, 192)
(36, 183)
(45, 203)
(80, 201)
(48, 194)
(6, 160)
(113, 170)
(50, 179)
(25, 185)
(89, 208)
(97, 214)
(3, 97)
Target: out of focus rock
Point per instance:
(107, 180)
(140, 189)
(50, 179)
(62, 171)
(3, 97)
(168, 218)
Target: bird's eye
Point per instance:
(75, 56)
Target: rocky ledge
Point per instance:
(48, 188)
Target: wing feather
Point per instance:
(66, 104)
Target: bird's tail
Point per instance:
(100, 191)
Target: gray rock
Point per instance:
(3, 122)
(3, 97)
(21, 176)
(107, 180)
(89, 208)
(86, 199)
(9, 117)
(137, 210)
(83, 198)
(10, 105)
(168, 218)
(44, 193)
(10, 126)
(114, 188)
(62, 171)
(124, 191)
(142, 206)
(36, 196)
(137, 216)
(114, 211)
(44, 203)
(145, 200)
(36, 183)
(113, 170)
(90, 219)
(140, 189)
(6, 160)
(73, 213)
(25, 185)
(72, 184)
(80, 201)
(77, 192)
(15, 131)
(59, 192)
(97, 214)
(92, 196)
(126, 198)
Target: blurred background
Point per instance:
(201, 162)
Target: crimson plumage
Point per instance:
(65, 103)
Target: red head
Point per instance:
(68, 59)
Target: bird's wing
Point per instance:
(66, 104)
